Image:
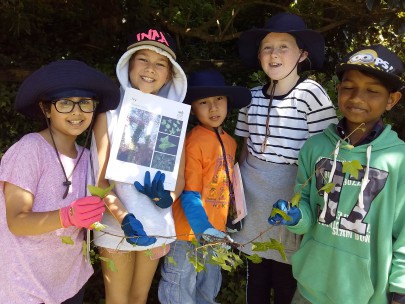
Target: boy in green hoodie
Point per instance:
(353, 249)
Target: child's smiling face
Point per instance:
(149, 71)
(73, 123)
(363, 99)
(278, 55)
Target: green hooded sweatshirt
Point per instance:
(353, 249)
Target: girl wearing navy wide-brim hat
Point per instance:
(281, 116)
(206, 207)
(43, 186)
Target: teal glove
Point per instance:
(155, 191)
(293, 212)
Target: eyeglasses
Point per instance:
(86, 105)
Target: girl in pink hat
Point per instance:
(138, 214)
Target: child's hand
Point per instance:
(156, 192)
(134, 232)
(293, 212)
(82, 212)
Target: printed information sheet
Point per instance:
(149, 136)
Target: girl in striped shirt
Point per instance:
(281, 116)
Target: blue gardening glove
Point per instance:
(293, 212)
(134, 232)
(156, 192)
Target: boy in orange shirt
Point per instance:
(203, 208)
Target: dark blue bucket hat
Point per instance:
(208, 83)
(376, 60)
(65, 77)
(309, 40)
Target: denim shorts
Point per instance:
(181, 284)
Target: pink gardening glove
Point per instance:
(82, 212)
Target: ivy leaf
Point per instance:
(328, 187)
(100, 192)
(237, 259)
(295, 201)
(276, 245)
(67, 240)
(348, 147)
(273, 244)
(259, 246)
(195, 242)
(98, 226)
(110, 263)
(254, 258)
(171, 260)
(198, 266)
(352, 167)
(284, 215)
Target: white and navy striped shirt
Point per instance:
(305, 111)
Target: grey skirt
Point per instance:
(264, 183)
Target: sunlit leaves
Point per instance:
(273, 244)
(100, 192)
(66, 239)
(328, 187)
(254, 258)
(171, 260)
(110, 263)
(352, 167)
(98, 226)
(284, 215)
(197, 262)
(295, 199)
(226, 259)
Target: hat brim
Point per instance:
(156, 44)
(396, 82)
(313, 41)
(70, 74)
(238, 97)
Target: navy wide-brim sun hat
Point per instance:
(209, 83)
(307, 39)
(376, 60)
(65, 75)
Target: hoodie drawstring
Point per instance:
(332, 173)
(364, 181)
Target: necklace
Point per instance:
(273, 88)
(264, 144)
(67, 183)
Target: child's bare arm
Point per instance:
(113, 203)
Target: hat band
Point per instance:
(64, 93)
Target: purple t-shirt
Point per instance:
(41, 269)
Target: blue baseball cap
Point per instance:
(376, 60)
